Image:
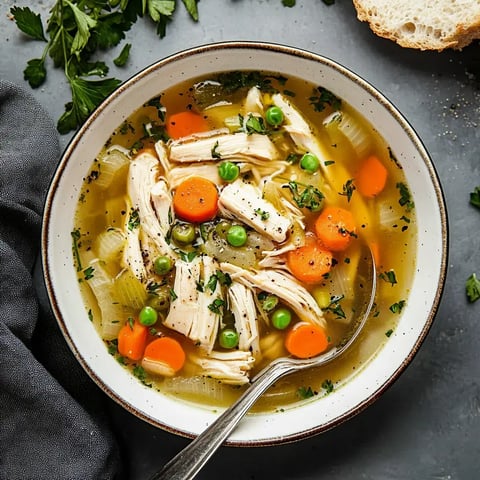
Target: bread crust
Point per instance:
(414, 31)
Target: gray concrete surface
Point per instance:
(427, 425)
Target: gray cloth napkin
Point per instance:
(53, 423)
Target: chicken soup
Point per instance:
(225, 224)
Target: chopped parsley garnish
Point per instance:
(475, 197)
(254, 124)
(305, 392)
(389, 277)
(216, 306)
(348, 189)
(75, 247)
(122, 58)
(262, 214)
(133, 220)
(335, 307)
(88, 273)
(219, 277)
(161, 110)
(293, 158)
(397, 307)
(327, 385)
(173, 295)
(388, 333)
(126, 127)
(321, 98)
(215, 152)
(327, 163)
(405, 197)
(234, 81)
(141, 374)
(472, 286)
(186, 256)
(306, 196)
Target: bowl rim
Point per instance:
(290, 51)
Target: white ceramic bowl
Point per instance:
(416, 318)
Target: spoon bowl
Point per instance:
(188, 462)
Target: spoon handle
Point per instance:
(188, 462)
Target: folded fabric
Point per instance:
(53, 419)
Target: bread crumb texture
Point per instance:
(423, 24)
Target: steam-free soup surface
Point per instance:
(227, 223)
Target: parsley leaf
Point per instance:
(405, 197)
(305, 392)
(86, 96)
(472, 286)
(35, 72)
(321, 98)
(327, 385)
(397, 307)
(306, 196)
(347, 189)
(28, 22)
(389, 277)
(254, 124)
(192, 9)
(475, 197)
(121, 60)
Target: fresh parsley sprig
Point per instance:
(75, 31)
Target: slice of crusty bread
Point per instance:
(423, 24)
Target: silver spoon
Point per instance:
(189, 461)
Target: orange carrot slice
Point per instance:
(335, 227)
(372, 177)
(132, 339)
(305, 340)
(185, 123)
(164, 355)
(196, 200)
(309, 263)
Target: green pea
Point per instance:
(310, 162)
(183, 233)
(281, 318)
(228, 338)
(162, 265)
(269, 302)
(160, 299)
(222, 228)
(274, 116)
(148, 316)
(228, 171)
(237, 236)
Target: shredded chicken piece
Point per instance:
(180, 173)
(162, 153)
(253, 101)
(162, 205)
(300, 131)
(244, 201)
(132, 257)
(142, 176)
(230, 367)
(189, 313)
(242, 305)
(254, 148)
(283, 286)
